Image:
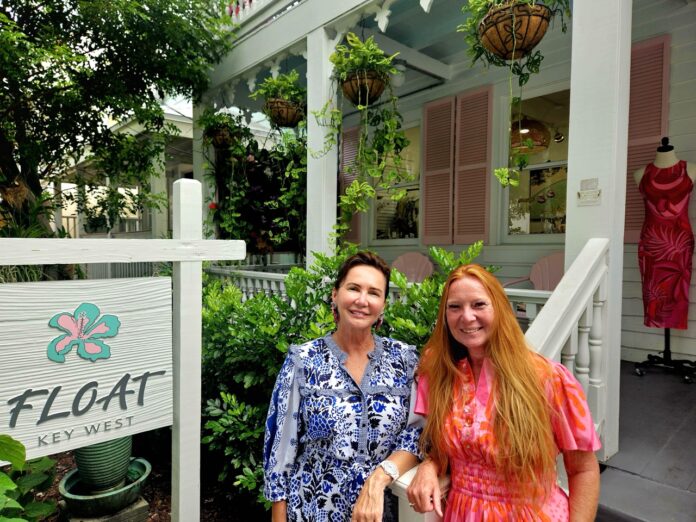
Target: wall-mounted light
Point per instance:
(529, 129)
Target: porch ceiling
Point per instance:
(427, 42)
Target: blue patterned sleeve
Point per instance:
(280, 444)
(409, 438)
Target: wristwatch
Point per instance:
(390, 469)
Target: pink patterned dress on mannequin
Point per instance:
(666, 245)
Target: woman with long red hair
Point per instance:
(498, 414)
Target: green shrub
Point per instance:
(20, 483)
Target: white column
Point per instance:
(599, 92)
(200, 164)
(187, 331)
(158, 185)
(322, 172)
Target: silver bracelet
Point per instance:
(390, 469)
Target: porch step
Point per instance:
(626, 497)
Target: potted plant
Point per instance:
(362, 69)
(489, 32)
(285, 99)
(221, 128)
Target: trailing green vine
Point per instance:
(378, 162)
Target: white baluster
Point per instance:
(597, 386)
(596, 334)
(582, 361)
(568, 352)
(531, 311)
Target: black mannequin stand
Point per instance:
(683, 367)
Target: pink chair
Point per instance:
(545, 273)
(414, 265)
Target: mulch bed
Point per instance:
(156, 491)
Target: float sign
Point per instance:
(83, 362)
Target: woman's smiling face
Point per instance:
(360, 299)
(470, 314)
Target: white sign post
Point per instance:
(88, 361)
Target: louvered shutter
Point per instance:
(438, 158)
(349, 149)
(648, 119)
(472, 166)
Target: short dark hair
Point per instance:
(367, 259)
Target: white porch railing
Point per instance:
(242, 11)
(571, 328)
(252, 282)
(566, 324)
(270, 279)
(119, 270)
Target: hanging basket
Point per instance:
(15, 193)
(222, 137)
(530, 24)
(284, 113)
(363, 87)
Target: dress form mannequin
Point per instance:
(665, 251)
(663, 160)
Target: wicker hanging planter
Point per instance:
(363, 87)
(284, 113)
(223, 137)
(15, 193)
(530, 24)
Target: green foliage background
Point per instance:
(70, 68)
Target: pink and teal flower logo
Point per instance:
(83, 329)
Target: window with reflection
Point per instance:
(399, 219)
(538, 204)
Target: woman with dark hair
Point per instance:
(339, 427)
(498, 414)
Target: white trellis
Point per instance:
(187, 250)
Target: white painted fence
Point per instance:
(187, 250)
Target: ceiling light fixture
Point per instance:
(529, 129)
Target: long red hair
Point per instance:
(522, 418)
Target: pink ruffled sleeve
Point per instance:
(421, 406)
(572, 423)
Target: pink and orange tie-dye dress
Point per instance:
(477, 491)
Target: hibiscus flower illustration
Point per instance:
(82, 329)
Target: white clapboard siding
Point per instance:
(143, 344)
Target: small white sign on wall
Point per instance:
(83, 362)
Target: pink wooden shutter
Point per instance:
(438, 146)
(648, 119)
(472, 166)
(349, 149)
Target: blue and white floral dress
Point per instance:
(325, 433)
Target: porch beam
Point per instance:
(415, 59)
(280, 34)
(599, 95)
